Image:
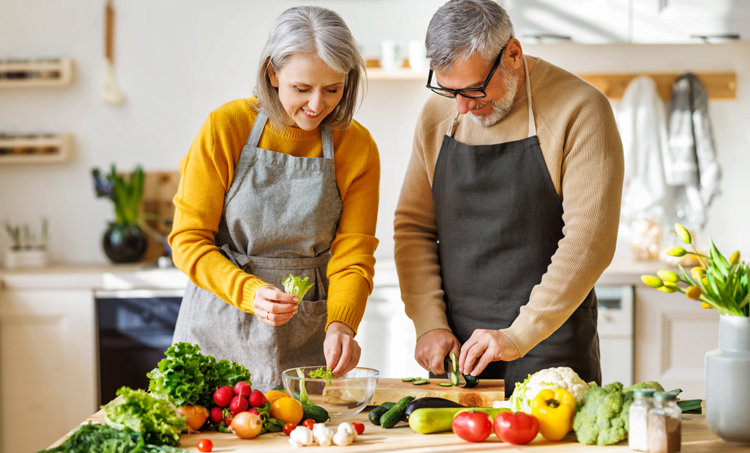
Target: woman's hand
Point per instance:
(341, 349)
(273, 306)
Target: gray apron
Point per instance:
(280, 217)
(499, 221)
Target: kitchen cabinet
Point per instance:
(677, 21)
(583, 21)
(47, 364)
(672, 336)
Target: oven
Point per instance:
(134, 329)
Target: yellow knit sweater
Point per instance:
(207, 171)
(583, 152)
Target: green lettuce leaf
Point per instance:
(153, 417)
(296, 286)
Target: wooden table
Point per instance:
(695, 438)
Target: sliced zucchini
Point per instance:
(445, 384)
(454, 378)
(421, 382)
(408, 379)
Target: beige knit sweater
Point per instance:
(583, 153)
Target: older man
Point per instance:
(510, 205)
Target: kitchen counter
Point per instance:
(695, 438)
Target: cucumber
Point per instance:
(427, 421)
(454, 378)
(396, 413)
(446, 384)
(421, 382)
(376, 413)
(407, 379)
(314, 412)
(471, 381)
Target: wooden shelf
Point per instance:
(43, 150)
(53, 73)
(719, 85)
(399, 74)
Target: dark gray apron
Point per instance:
(280, 217)
(499, 221)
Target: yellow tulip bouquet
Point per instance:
(718, 283)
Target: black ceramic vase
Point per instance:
(124, 243)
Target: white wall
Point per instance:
(178, 60)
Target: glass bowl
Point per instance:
(341, 397)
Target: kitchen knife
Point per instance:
(451, 367)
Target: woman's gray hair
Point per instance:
(312, 29)
(462, 27)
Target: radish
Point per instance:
(258, 399)
(223, 396)
(228, 418)
(253, 410)
(243, 389)
(238, 404)
(216, 415)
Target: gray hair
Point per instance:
(461, 28)
(312, 29)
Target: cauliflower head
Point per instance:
(550, 378)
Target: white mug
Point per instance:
(417, 59)
(391, 58)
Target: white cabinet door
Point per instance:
(584, 21)
(675, 21)
(48, 365)
(672, 336)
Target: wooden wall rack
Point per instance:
(45, 149)
(720, 85)
(35, 74)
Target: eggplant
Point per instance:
(429, 402)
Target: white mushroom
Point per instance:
(323, 435)
(301, 437)
(349, 429)
(343, 438)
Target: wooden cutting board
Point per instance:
(488, 390)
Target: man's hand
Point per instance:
(273, 306)
(483, 347)
(433, 347)
(341, 349)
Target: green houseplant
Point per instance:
(720, 284)
(124, 240)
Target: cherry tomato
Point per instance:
(472, 426)
(205, 445)
(516, 427)
(309, 423)
(359, 427)
(288, 428)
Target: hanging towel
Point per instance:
(642, 121)
(691, 160)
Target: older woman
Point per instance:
(285, 182)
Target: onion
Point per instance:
(246, 425)
(196, 416)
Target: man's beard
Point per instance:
(500, 107)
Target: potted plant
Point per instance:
(124, 240)
(25, 251)
(720, 284)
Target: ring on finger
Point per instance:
(267, 318)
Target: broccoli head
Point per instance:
(603, 417)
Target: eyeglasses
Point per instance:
(470, 93)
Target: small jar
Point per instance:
(665, 430)
(638, 432)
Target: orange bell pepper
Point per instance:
(555, 410)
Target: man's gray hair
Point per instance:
(312, 29)
(461, 28)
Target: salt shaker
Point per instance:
(638, 432)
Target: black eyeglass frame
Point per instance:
(441, 91)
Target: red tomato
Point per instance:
(472, 426)
(288, 428)
(205, 445)
(309, 423)
(359, 427)
(516, 427)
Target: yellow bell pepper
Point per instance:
(554, 409)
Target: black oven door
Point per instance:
(134, 329)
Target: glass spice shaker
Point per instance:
(638, 432)
(665, 430)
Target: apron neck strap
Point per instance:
(532, 123)
(260, 124)
(257, 131)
